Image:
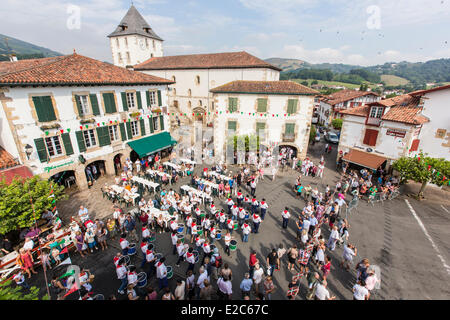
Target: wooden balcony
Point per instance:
(288, 137)
(373, 121)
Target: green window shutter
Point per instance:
(232, 125)
(147, 94)
(161, 119)
(67, 143)
(48, 103)
(44, 108)
(289, 128)
(122, 132)
(260, 126)
(110, 103)
(142, 127)
(106, 103)
(262, 105)
(103, 136)
(41, 149)
(139, 100)
(77, 101)
(124, 101)
(80, 140)
(159, 98)
(94, 104)
(232, 104)
(129, 133)
(151, 124)
(292, 106)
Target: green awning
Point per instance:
(151, 144)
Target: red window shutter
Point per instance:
(370, 137)
(373, 138)
(415, 145)
(367, 136)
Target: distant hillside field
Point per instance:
(286, 64)
(334, 83)
(392, 80)
(22, 48)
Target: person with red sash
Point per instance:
(190, 258)
(161, 273)
(240, 197)
(181, 252)
(229, 203)
(230, 225)
(285, 215)
(124, 244)
(174, 239)
(151, 260)
(234, 212)
(132, 276)
(242, 213)
(193, 231)
(121, 272)
(256, 222)
(145, 232)
(263, 208)
(144, 247)
(117, 257)
(222, 219)
(246, 229)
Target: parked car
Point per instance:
(317, 138)
(332, 137)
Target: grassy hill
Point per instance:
(286, 64)
(23, 49)
(334, 83)
(391, 80)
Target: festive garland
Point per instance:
(434, 170)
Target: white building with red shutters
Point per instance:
(378, 133)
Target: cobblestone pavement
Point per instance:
(386, 233)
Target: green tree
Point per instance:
(312, 133)
(424, 170)
(10, 292)
(363, 87)
(305, 83)
(337, 124)
(15, 206)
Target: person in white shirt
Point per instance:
(121, 271)
(83, 214)
(257, 277)
(161, 273)
(322, 292)
(246, 230)
(225, 287)
(203, 275)
(334, 237)
(360, 292)
(180, 290)
(29, 244)
(349, 252)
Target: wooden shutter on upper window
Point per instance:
(147, 94)
(139, 99)
(41, 149)
(370, 137)
(292, 106)
(142, 127)
(159, 98)
(44, 108)
(151, 124)
(124, 101)
(94, 104)
(289, 129)
(232, 125)
(77, 101)
(129, 132)
(161, 119)
(80, 140)
(123, 133)
(67, 143)
(262, 105)
(103, 136)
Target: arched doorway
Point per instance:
(117, 163)
(95, 170)
(288, 147)
(198, 114)
(64, 178)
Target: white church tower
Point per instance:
(134, 41)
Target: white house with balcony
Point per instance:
(279, 112)
(59, 115)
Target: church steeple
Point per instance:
(134, 41)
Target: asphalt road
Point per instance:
(387, 234)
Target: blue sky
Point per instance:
(335, 31)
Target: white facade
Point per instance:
(435, 135)
(387, 145)
(190, 93)
(129, 50)
(20, 125)
(274, 125)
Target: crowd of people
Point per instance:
(200, 226)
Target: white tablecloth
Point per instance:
(199, 193)
(172, 165)
(146, 182)
(188, 161)
(117, 189)
(218, 175)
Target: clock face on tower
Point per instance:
(142, 44)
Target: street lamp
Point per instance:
(28, 150)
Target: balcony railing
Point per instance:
(373, 121)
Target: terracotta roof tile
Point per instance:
(21, 172)
(265, 87)
(345, 95)
(225, 60)
(364, 159)
(71, 69)
(404, 108)
(422, 92)
(6, 159)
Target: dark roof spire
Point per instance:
(134, 23)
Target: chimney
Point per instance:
(12, 57)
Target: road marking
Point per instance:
(446, 266)
(444, 208)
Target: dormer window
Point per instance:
(124, 27)
(376, 112)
